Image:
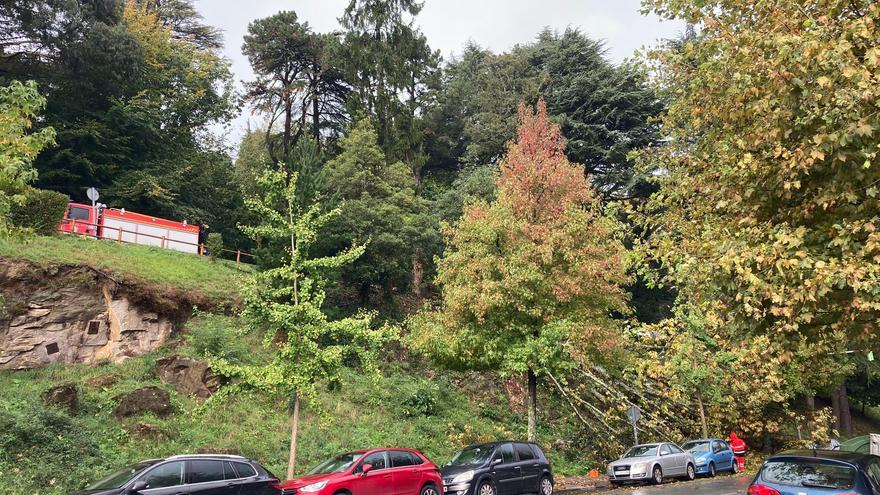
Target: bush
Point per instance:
(422, 401)
(217, 336)
(41, 211)
(214, 245)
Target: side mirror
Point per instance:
(137, 487)
(663, 453)
(366, 468)
(495, 462)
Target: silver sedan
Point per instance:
(652, 462)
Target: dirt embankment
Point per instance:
(77, 314)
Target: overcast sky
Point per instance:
(449, 24)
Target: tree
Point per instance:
(530, 282)
(286, 302)
(19, 105)
(379, 205)
(766, 214)
(296, 80)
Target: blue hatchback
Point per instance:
(712, 455)
(818, 472)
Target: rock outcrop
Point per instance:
(143, 400)
(188, 375)
(63, 396)
(60, 314)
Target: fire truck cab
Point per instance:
(81, 219)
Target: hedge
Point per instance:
(41, 211)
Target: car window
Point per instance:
(723, 445)
(229, 471)
(505, 453)
(716, 447)
(400, 458)
(204, 471)
(378, 460)
(664, 449)
(524, 452)
(244, 470)
(675, 449)
(165, 475)
(809, 473)
(874, 474)
(77, 213)
(539, 454)
(416, 460)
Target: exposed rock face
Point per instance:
(73, 315)
(188, 375)
(63, 396)
(143, 400)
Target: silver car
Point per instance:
(652, 462)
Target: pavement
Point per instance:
(722, 485)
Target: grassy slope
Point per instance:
(157, 266)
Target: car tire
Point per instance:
(734, 466)
(657, 475)
(712, 470)
(429, 490)
(486, 488)
(545, 486)
(691, 472)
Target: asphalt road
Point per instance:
(722, 485)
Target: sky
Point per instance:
(449, 24)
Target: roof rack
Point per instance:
(218, 456)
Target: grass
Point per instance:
(162, 267)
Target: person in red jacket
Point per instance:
(739, 451)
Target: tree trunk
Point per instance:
(845, 413)
(703, 416)
(294, 430)
(835, 408)
(533, 406)
(418, 274)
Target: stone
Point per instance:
(189, 375)
(143, 400)
(148, 431)
(63, 396)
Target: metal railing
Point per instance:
(164, 241)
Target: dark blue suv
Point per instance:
(818, 472)
(498, 468)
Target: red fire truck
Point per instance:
(130, 227)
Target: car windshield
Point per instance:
(809, 473)
(696, 447)
(475, 455)
(642, 451)
(338, 464)
(119, 478)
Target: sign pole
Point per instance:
(634, 414)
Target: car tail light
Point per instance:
(761, 490)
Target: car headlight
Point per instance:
(700, 461)
(314, 487)
(463, 477)
(638, 467)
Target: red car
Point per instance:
(370, 472)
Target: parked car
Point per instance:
(711, 455)
(207, 474)
(370, 472)
(818, 472)
(498, 468)
(652, 462)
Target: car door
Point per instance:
(506, 471)
(244, 477)
(724, 456)
(165, 479)
(379, 480)
(405, 476)
(681, 458)
(667, 461)
(530, 468)
(207, 477)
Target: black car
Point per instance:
(498, 468)
(818, 472)
(206, 474)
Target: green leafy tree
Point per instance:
(767, 210)
(286, 302)
(379, 205)
(19, 105)
(530, 282)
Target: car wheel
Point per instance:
(486, 488)
(691, 472)
(711, 469)
(429, 490)
(734, 466)
(657, 475)
(545, 487)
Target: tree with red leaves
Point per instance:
(531, 282)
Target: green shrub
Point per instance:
(214, 245)
(217, 336)
(421, 401)
(41, 211)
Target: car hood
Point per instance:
(98, 492)
(628, 461)
(447, 471)
(308, 480)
